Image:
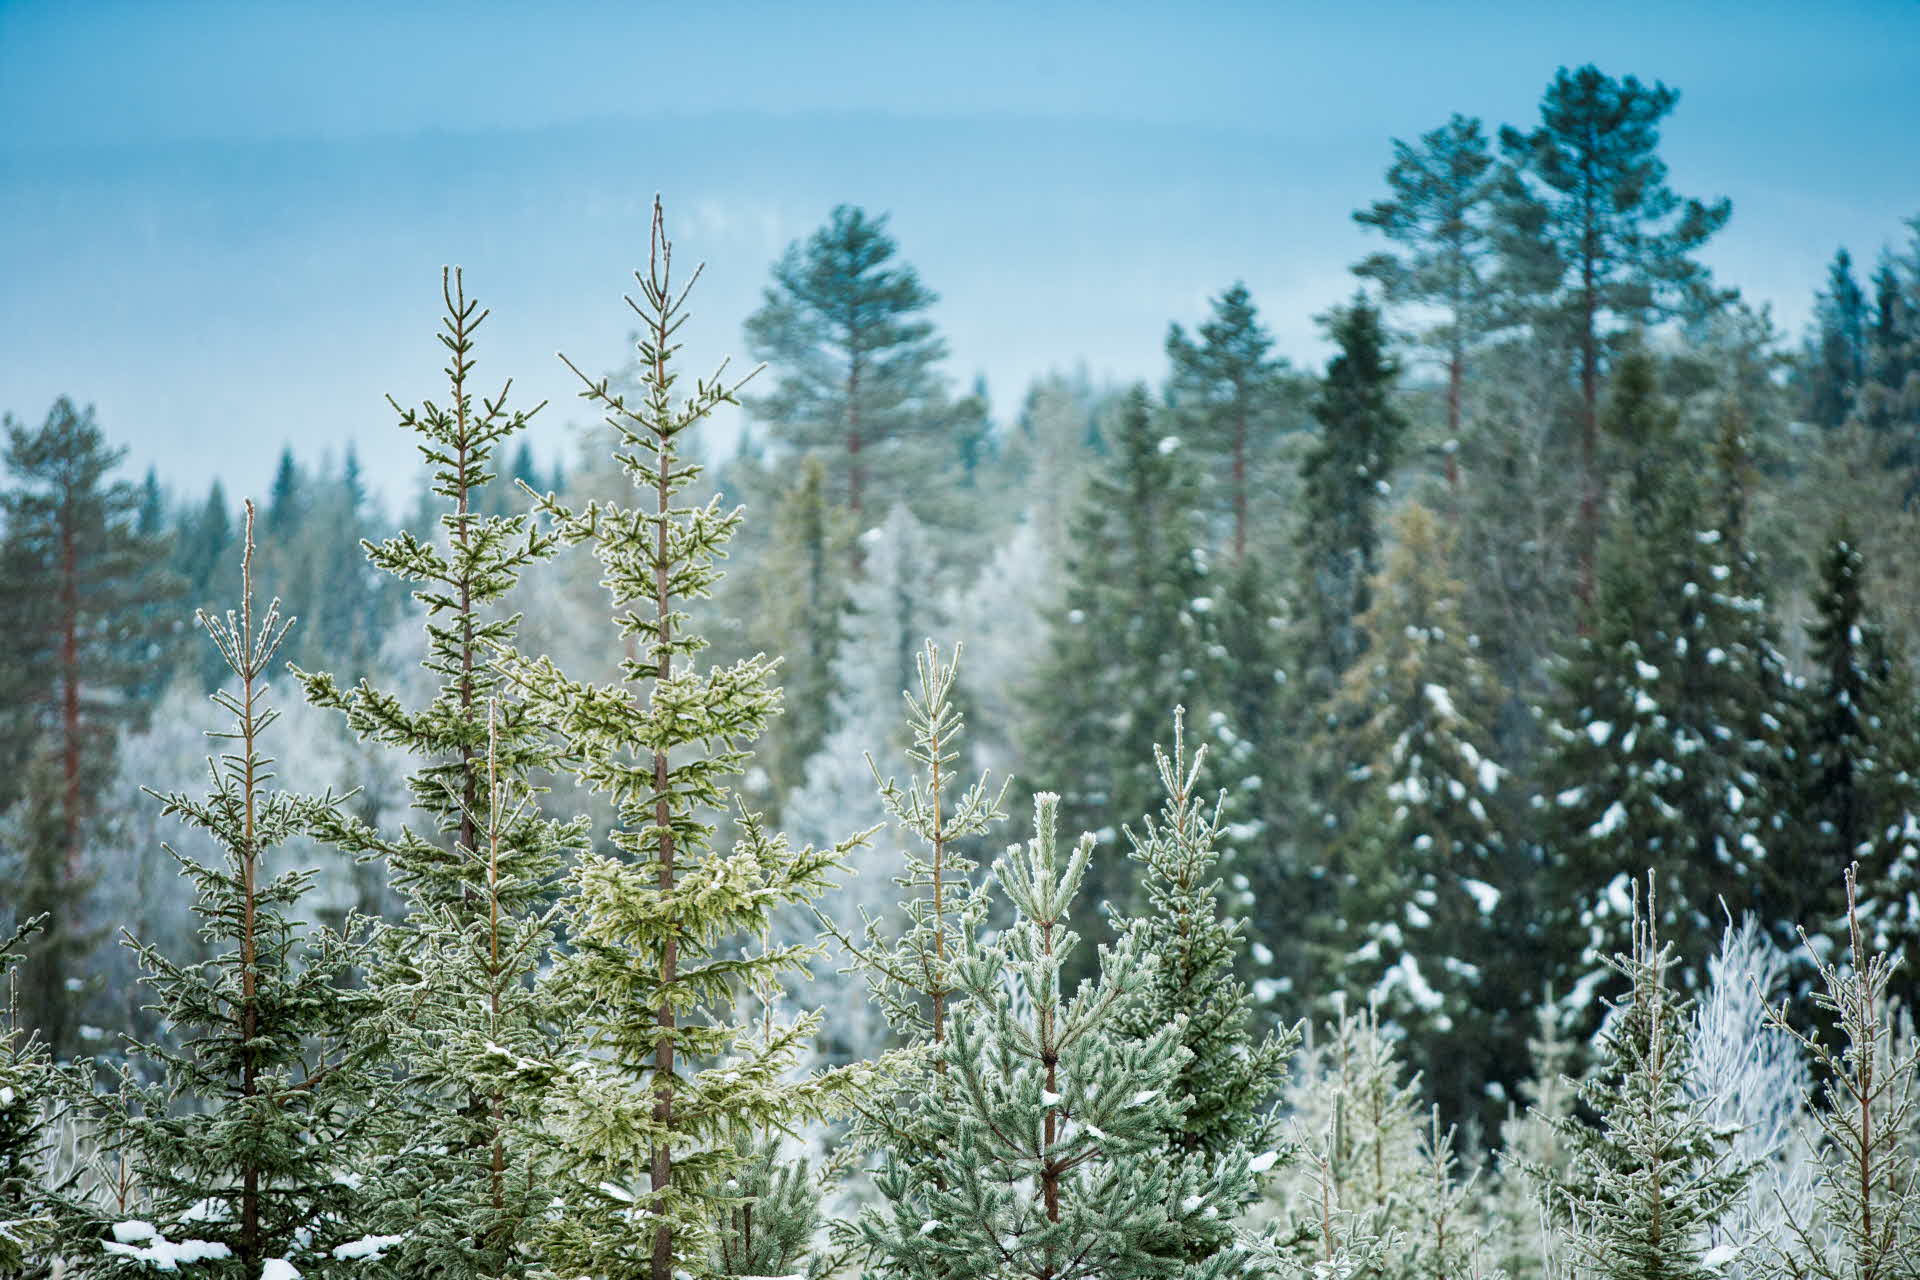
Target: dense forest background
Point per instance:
(1566, 566)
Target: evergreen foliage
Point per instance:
(1836, 363)
(1425, 859)
(457, 1178)
(1754, 1084)
(1346, 479)
(1443, 211)
(856, 360)
(1048, 1159)
(247, 1148)
(1614, 241)
(33, 1092)
(1867, 1184)
(1650, 1175)
(1227, 1079)
(658, 1079)
(803, 599)
(83, 597)
(1228, 390)
(1857, 794)
(1660, 746)
(1346, 1198)
(1128, 640)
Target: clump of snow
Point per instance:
(278, 1269)
(158, 1251)
(1611, 821)
(1263, 1162)
(366, 1247)
(1600, 731)
(1441, 701)
(1485, 896)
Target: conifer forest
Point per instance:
(1444, 811)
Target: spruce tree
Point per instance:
(1246, 725)
(1228, 1080)
(78, 588)
(1649, 1174)
(1856, 793)
(1128, 640)
(478, 866)
(1227, 388)
(855, 360)
(1346, 480)
(1427, 868)
(1345, 1199)
(1663, 741)
(1620, 243)
(1048, 1158)
(1837, 351)
(660, 1079)
(247, 1145)
(1866, 1224)
(1889, 400)
(910, 961)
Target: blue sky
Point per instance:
(224, 223)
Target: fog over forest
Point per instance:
(1088, 665)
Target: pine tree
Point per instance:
(247, 1145)
(1620, 242)
(1227, 1079)
(1346, 479)
(1048, 1158)
(856, 361)
(1227, 389)
(659, 1075)
(1867, 1222)
(1128, 640)
(1426, 861)
(1650, 1175)
(78, 583)
(1442, 209)
(455, 984)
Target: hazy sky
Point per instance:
(223, 223)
